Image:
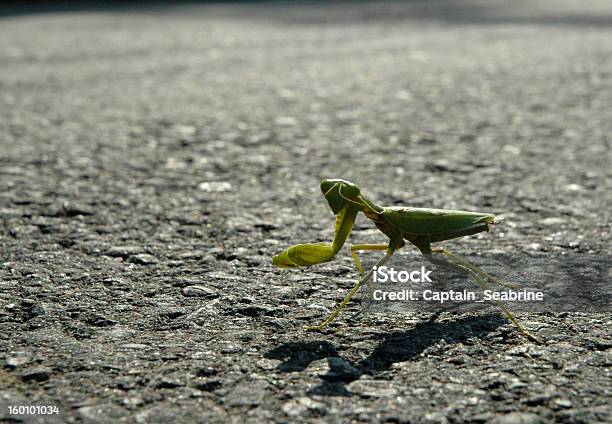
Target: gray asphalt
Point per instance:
(154, 159)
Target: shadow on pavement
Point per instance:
(391, 348)
(298, 355)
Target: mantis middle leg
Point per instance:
(347, 299)
(365, 247)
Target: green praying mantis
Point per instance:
(419, 226)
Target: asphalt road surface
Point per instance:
(152, 160)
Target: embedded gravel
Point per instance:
(153, 160)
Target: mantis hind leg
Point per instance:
(472, 268)
(348, 297)
(480, 278)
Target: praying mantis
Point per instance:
(419, 226)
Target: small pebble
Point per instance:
(552, 221)
(303, 407)
(16, 361)
(143, 259)
(74, 209)
(535, 247)
(199, 291)
(106, 413)
(215, 186)
(208, 384)
(169, 383)
(518, 418)
(372, 388)
(563, 403)
(206, 372)
(341, 370)
(538, 399)
(228, 350)
(123, 251)
(36, 374)
(287, 121)
(135, 346)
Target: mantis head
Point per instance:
(339, 193)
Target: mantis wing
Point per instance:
(423, 221)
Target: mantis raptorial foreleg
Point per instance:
(347, 299)
(479, 277)
(312, 254)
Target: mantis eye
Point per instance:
(338, 193)
(349, 190)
